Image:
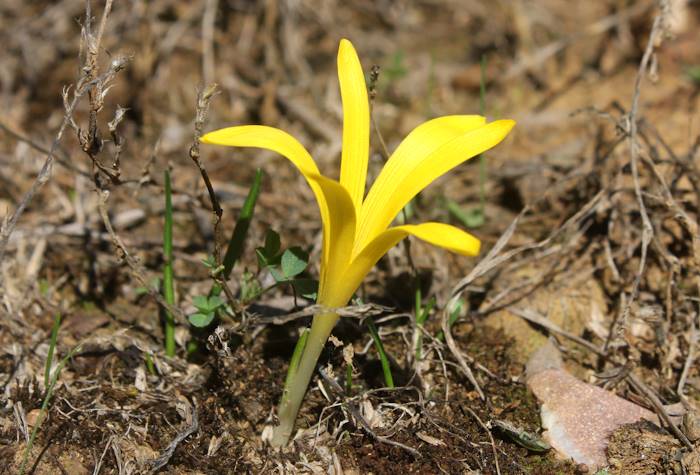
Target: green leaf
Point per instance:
(455, 312)
(262, 258)
(396, 69)
(52, 347)
(383, 357)
(200, 301)
(250, 287)
(201, 320)
(215, 302)
(424, 312)
(155, 284)
(207, 304)
(294, 261)
(277, 275)
(272, 243)
(209, 262)
(236, 244)
(472, 218)
(307, 288)
(269, 254)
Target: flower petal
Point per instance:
(439, 234)
(428, 152)
(336, 207)
(337, 243)
(269, 138)
(355, 152)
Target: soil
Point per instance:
(562, 217)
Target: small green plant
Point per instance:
(393, 69)
(50, 385)
(422, 313)
(383, 357)
(236, 244)
(155, 283)
(149, 363)
(348, 378)
(206, 310)
(286, 266)
(357, 229)
(209, 306)
(455, 313)
(52, 347)
(168, 278)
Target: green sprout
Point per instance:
(455, 313)
(168, 278)
(383, 357)
(52, 347)
(206, 310)
(236, 244)
(422, 313)
(52, 380)
(209, 306)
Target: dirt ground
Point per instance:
(591, 212)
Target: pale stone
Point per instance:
(578, 417)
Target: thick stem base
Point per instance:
(299, 381)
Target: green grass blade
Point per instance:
(422, 313)
(348, 379)
(419, 304)
(44, 407)
(240, 231)
(149, 363)
(454, 315)
(168, 279)
(420, 320)
(52, 347)
(383, 358)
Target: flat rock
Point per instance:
(579, 417)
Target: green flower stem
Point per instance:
(296, 356)
(298, 381)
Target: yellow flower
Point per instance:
(356, 232)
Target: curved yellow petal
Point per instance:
(335, 205)
(269, 138)
(428, 152)
(421, 142)
(355, 152)
(439, 234)
(337, 243)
